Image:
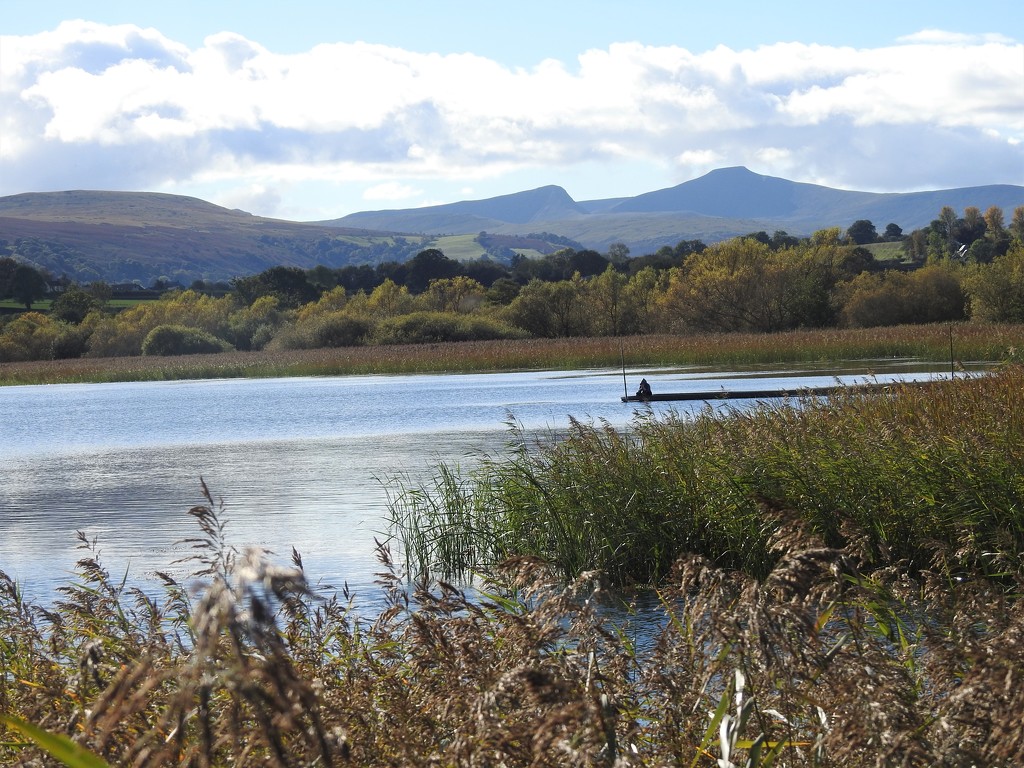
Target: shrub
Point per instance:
(29, 336)
(339, 330)
(437, 327)
(72, 342)
(178, 340)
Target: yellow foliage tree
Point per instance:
(29, 336)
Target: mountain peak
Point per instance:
(735, 192)
(548, 202)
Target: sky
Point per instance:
(313, 110)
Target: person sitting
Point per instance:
(644, 392)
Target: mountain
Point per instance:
(721, 204)
(740, 193)
(126, 236)
(123, 236)
(549, 203)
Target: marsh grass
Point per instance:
(817, 663)
(929, 477)
(973, 342)
(838, 585)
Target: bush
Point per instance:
(437, 327)
(339, 330)
(167, 340)
(72, 342)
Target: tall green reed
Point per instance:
(929, 476)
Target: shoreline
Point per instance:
(931, 343)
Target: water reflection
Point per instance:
(298, 462)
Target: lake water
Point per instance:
(298, 462)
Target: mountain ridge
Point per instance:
(117, 236)
(733, 193)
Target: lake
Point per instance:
(298, 462)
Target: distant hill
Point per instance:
(142, 236)
(544, 204)
(721, 204)
(125, 236)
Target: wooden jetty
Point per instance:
(763, 394)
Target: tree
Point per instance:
(782, 239)
(587, 263)
(167, 340)
(549, 309)
(946, 226)
(996, 290)
(7, 269)
(893, 233)
(994, 224)
(503, 291)
(450, 294)
(28, 285)
(531, 310)
(995, 233)
(971, 227)
(290, 285)
(428, 265)
(618, 253)
(73, 305)
(862, 232)
(607, 294)
(729, 287)
(100, 291)
(930, 294)
(389, 299)
(642, 294)
(30, 336)
(1017, 224)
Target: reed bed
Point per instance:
(818, 663)
(837, 584)
(929, 477)
(972, 342)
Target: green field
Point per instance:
(886, 251)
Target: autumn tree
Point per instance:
(389, 299)
(549, 309)
(1017, 225)
(29, 336)
(743, 285)
(930, 294)
(996, 290)
(643, 294)
(453, 294)
(609, 300)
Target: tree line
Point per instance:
(958, 268)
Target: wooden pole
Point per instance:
(622, 356)
(952, 364)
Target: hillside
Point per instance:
(721, 204)
(143, 236)
(126, 236)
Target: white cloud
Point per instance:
(87, 105)
(391, 190)
(945, 36)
